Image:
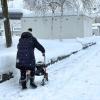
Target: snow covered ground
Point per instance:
(74, 78)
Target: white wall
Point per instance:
(72, 26)
(87, 26)
(15, 26)
(96, 28)
(95, 31)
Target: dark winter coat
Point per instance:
(25, 55)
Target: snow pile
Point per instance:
(7, 55)
(86, 40)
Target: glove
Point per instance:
(43, 54)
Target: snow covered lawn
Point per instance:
(53, 48)
(74, 78)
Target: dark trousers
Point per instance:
(23, 75)
(24, 78)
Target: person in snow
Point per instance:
(25, 57)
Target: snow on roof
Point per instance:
(12, 10)
(13, 13)
(94, 27)
(96, 24)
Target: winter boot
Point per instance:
(32, 84)
(24, 85)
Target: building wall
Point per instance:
(15, 26)
(96, 28)
(87, 26)
(65, 27)
(95, 31)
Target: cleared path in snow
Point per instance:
(75, 78)
(81, 74)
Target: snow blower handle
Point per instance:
(44, 59)
(44, 63)
(43, 54)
